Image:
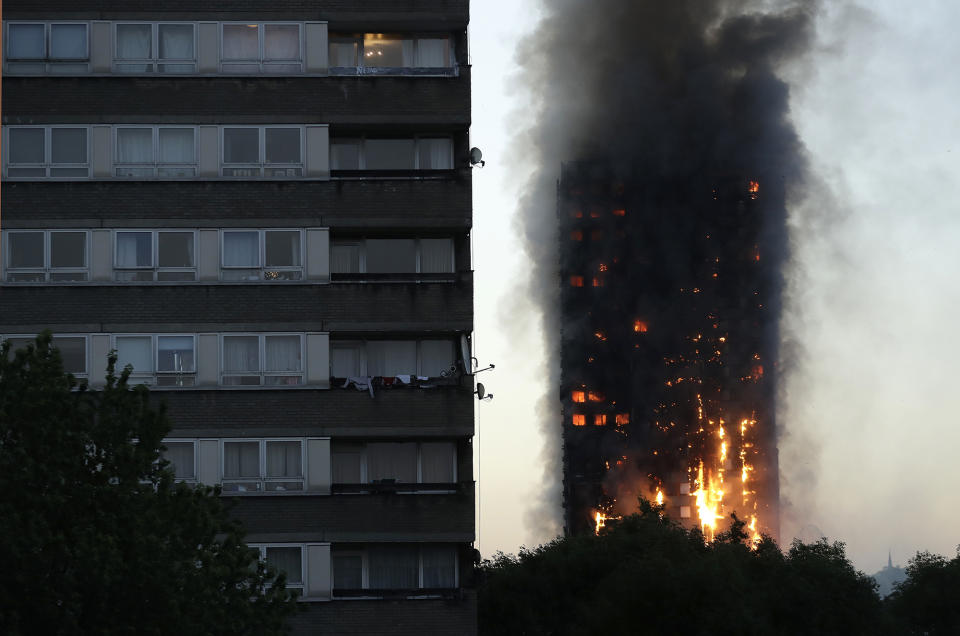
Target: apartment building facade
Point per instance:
(264, 208)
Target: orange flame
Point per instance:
(579, 420)
(639, 326)
(619, 212)
(578, 396)
(595, 396)
(600, 420)
(576, 281)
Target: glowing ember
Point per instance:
(639, 326)
(576, 281)
(619, 212)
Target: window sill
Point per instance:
(446, 277)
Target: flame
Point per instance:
(639, 326)
(622, 419)
(597, 282)
(601, 521)
(659, 497)
(619, 212)
(579, 396)
(600, 420)
(753, 189)
(595, 396)
(579, 420)
(603, 267)
(576, 281)
(600, 336)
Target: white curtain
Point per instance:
(134, 145)
(176, 145)
(436, 154)
(391, 357)
(68, 41)
(389, 460)
(180, 455)
(284, 459)
(134, 42)
(175, 353)
(241, 354)
(282, 353)
(26, 41)
(241, 249)
(287, 560)
(135, 351)
(241, 460)
(436, 462)
(344, 361)
(432, 53)
(346, 466)
(175, 41)
(281, 42)
(436, 356)
(134, 249)
(439, 566)
(394, 567)
(240, 42)
(345, 258)
(436, 256)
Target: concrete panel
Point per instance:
(319, 476)
(208, 255)
(208, 464)
(319, 571)
(317, 47)
(208, 48)
(208, 359)
(318, 254)
(209, 158)
(318, 152)
(101, 48)
(102, 147)
(101, 255)
(318, 360)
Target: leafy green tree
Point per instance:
(928, 600)
(649, 575)
(95, 536)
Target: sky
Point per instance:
(870, 438)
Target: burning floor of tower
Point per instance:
(669, 310)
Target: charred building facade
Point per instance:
(264, 207)
(669, 311)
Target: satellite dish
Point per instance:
(476, 157)
(481, 390)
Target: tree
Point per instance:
(928, 600)
(96, 536)
(649, 575)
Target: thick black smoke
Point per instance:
(653, 106)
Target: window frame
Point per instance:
(85, 374)
(362, 360)
(156, 165)
(49, 63)
(47, 165)
(361, 141)
(196, 466)
(153, 378)
(154, 268)
(364, 553)
(262, 165)
(261, 267)
(261, 61)
(47, 270)
(304, 575)
(262, 372)
(263, 480)
(361, 244)
(154, 61)
(362, 69)
(402, 487)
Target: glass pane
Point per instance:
(241, 249)
(26, 41)
(176, 276)
(133, 277)
(175, 41)
(284, 459)
(391, 256)
(346, 467)
(394, 567)
(134, 145)
(135, 351)
(26, 145)
(436, 154)
(134, 249)
(345, 155)
(26, 249)
(240, 42)
(344, 361)
(69, 172)
(436, 256)
(26, 172)
(287, 560)
(68, 249)
(241, 145)
(281, 42)
(282, 145)
(436, 357)
(282, 353)
(282, 248)
(68, 277)
(175, 353)
(345, 258)
(68, 41)
(387, 52)
(433, 53)
(180, 456)
(241, 460)
(134, 42)
(343, 53)
(176, 68)
(18, 343)
(347, 572)
(176, 145)
(389, 154)
(69, 145)
(134, 68)
(436, 462)
(439, 566)
(390, 358)
(241, 353)
(392, 461)
(74, 353)
(175, 249)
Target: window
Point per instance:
(59, 47)
(164, 256)
(425, 463)
(262, 465)
(261, 48)
(266, 151)
(59, 151)
(73, 351)
(391, 358)
(164, 360)
(360, 571)
(392, 256)
(155, 48)
(288, 559)
(269, 360)
(418, 153)
(268, 255)
(182, 458)
(46, 256)
(383, 51)
(155, 151)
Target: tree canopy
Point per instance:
(97, 536)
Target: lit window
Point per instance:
(267, 255)
(579, 420)
(34, 48)
(619, 212)
(576, 235)
(46, 256)
(261, 48)
(684, 512)
(599, 420)
(622, 419)
(47, 152)
(576, 281)
(155, 48)
(164, 256)
(595, 396)
(384, 52)
(579, 396)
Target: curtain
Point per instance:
(436, 154)
(394, 567)
(180, 455)
(436, 256)
(175, 41)
(175, 353)
(439, 566)
(390, 460)
(241, 354)
(395, 256)
(436, 356)
(134, 145)
(282, 248)
(287, 560)
(134, 249)
(343, 54)
(135, 351)
(68, 41)
(176, 145)
(241, 460)
(134, 42)
(281, 42)
(345, 467)
(436, 462)
(344, 258)
(240, 42)
(344, 361)
(391, 357)
(347, 572)
(432, 53)
(241, 249)
(26, 41)
(284, 459)
(282, 353)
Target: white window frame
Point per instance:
(265, 274)
(47, 165)
(362, 346)
(86, 347)
(154, 61)
(364, 554)
(261, 61)
(156, 165)
(304, 575)
(263, 481)
(404, 488)
(361, 243)
(196, 463)
(362, 151)
(262, 372)
(47, 270)
(359, 39)
(260, 168)
(154, 268)
(49, 64)
(154, 377)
